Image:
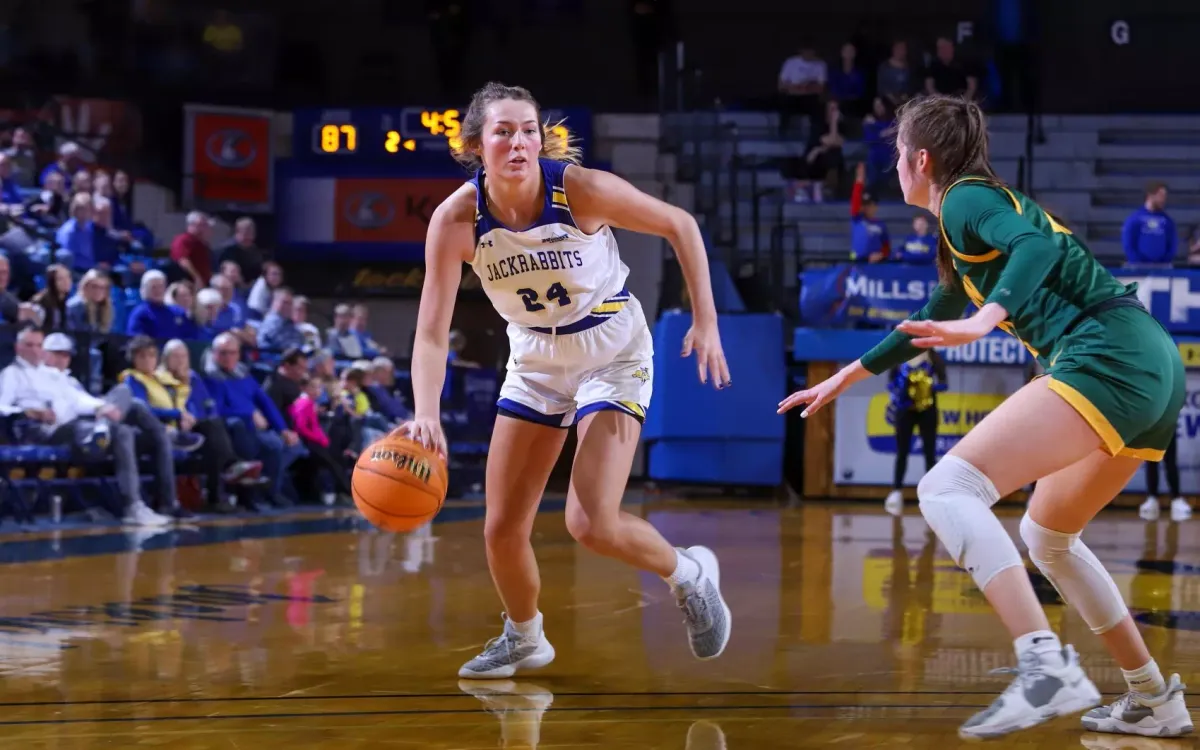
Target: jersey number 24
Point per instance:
(555, 292)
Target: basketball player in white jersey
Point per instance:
(537, 229)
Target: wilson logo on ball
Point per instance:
(403, 461)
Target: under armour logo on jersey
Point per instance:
(485, 243)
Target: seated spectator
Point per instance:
(208, 307)
(262, 293)
(947, 75)
(52, 206)
(341, 340)
(10, 189)
(303, 413)
(232, 314)
(153, 317)
(454, 357)
(12, 310)
(1149, 235)
(240, 249)
(823, 160)
(190, 250)
(880, 143)
(893, 80)
(69, 160)
(241, 292)
(847, 85)
(380, 389)
(108, 242)
(81, 182)
(75, 235)
(24, 158)
(278, 332)
(368, 426)
(311, 334)
(801, 86)
(90, 310)
(176, 374)
(53, 299)
(868, 235)
(182, 294)
(920, 247)
(256, 427)
(122, 199)
(324, 372)
(283, 385)
(359, 323)
(63, 413)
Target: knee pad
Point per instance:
(956, 500)
(1077, 575)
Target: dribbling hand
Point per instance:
(428, 432)
(705, 340)
(816, 397)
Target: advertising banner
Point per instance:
(228, 159)
(387, 210)
(886, 293)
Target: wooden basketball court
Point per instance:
(851, 629)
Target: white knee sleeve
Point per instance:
(1076, 573)
(956, 500)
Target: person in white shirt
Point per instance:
(66, 414)
(801, 86)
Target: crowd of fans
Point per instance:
(271, 409)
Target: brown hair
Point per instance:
(554, 145)
(954, 132)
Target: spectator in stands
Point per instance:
(263, 291)
(168, 404)
(358, 405)
(23, 158)
(323, 370)
(122, 199)
(240, 249)
(868, 235)
(69, 161)
(278, 331)
(914, 387)
(75, 235)
(311, 334)
(847, 85)
(241, 294)
(341, 339)
(1149, 235)
(176, 373)
(893, 80)
(12, 310)
(303, 413)
(801, 86)
(208, 307)
(10, 189)
(232, 314)
(823, 161)
(380, 389)
(81, 182)
(13, 237)
(920, 247)
(190, 250)
(108, 242)
(53, 299)
(53, 204)
(153, 317)
(63, 413)
(283, 385)
(359, 323)
(948, 75)
(182, 294)
(879, 140)
(90, 310)
(458, 344)
(255, 425)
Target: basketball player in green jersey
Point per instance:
(1110, 398)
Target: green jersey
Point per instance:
(1007, 250)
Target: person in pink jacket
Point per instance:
(306, 419)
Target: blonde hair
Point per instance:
(557, 143)
(100, 314)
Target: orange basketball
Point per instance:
(398, 484)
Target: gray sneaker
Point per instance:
(507, 654)
(1162, 715)
(705, 613)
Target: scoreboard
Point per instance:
(401, 139)
(362, 183)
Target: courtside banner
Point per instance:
(229, 159)
(886, 293)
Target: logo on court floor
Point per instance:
(642, 374)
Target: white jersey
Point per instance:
(551, 275)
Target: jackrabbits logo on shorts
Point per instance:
(642, 374)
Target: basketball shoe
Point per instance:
(704, 610)
(1162, 715)
(518, 706)
(1045, 688)
(507, 654)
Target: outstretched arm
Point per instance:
(606, 198)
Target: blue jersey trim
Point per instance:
(555, 208)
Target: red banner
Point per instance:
(387, 210)
(229, 160)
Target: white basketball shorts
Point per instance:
(557, 379)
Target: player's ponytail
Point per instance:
(954, 132)
(557, 142)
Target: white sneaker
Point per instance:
(1162, 715)
(1149, 509)
(508, 654)
(142, 515)
(894, 504)
(1041, 691)
(1181, 510)
(705, 612)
